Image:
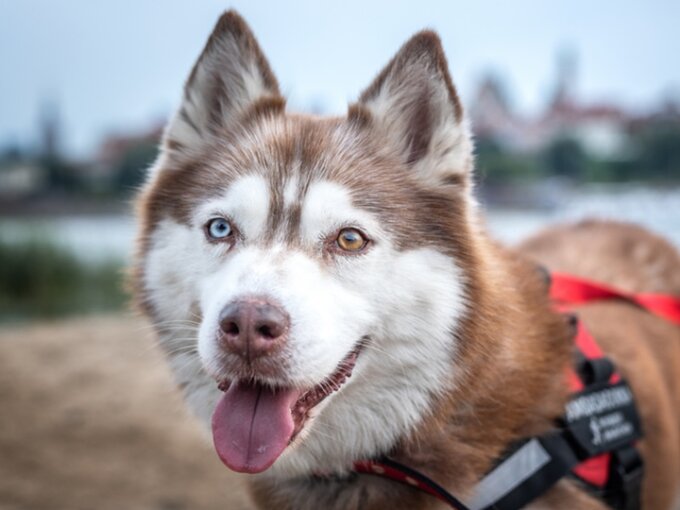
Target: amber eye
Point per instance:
(350, 239)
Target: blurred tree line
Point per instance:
(652, 155)
(130, 168)
(41, 280)
(116, 170)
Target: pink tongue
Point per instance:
(252, 425)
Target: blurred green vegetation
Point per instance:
(652, 155)
(40, 280)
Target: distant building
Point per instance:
(20, 178)
(493, 117)
(104, 168)
(602, 129)
(50, 129)
(23, 173)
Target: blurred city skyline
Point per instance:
(120, 67)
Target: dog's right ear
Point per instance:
(230, 77)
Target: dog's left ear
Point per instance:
(414, 106)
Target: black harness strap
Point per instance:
(524, 482)
(624, 487)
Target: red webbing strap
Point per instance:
(387, 468)
(572, 290)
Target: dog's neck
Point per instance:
(512, 347)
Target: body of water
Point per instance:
(91, 238)
(103, 238)
(656, 209)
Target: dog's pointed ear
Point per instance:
(413, 105)
(230, 77)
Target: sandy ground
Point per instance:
(90, 419)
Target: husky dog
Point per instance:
(326, 293)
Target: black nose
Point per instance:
(252, 328)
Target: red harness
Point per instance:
(566, 291)
(572, 290)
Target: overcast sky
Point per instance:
(118, 65)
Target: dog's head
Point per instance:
(281, 254)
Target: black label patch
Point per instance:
(603, 418)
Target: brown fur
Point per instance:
(514, 349)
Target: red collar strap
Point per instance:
(611, 467)
(397, 472)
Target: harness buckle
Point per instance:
(594, 370)
(625, 480)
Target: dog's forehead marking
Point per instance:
(290, 191)
(246, 201)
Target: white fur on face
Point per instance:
(290, 191)
(328, 312)
(326, 320)
(171, 270)
(418, 298)
(407, 303)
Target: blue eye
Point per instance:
(218, 228)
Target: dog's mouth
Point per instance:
(253, 423)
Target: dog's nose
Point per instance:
(253, 328)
